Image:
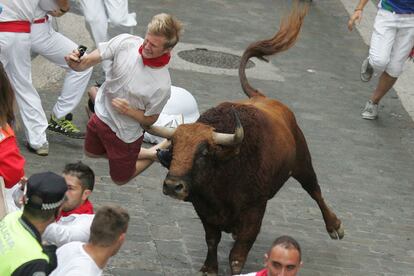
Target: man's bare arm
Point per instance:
(85, 62)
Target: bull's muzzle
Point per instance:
(175, 187)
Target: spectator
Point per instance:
(108, 231)
(391, 44)
(11, 161)
(77, 211)
(284, 258)
(133, 95)
(21, 250)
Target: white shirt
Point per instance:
(144, 87)
(17, 10)
(72, 260)
(74, 227)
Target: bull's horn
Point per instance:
(225, 139)
(165, 132)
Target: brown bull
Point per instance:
(230, 177)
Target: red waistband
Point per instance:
(41, 20)
(15, 26)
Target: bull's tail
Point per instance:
(281, 41)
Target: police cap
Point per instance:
(49, 187)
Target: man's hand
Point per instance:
(356, 17)
(73, 60)
(121, 105)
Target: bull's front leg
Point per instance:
(213, 236)
(249, 228)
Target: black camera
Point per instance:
(82, 50)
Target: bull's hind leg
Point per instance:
(306, 176)
(213, 236)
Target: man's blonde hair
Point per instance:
(167, 26)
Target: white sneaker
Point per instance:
(370, 111)
(366, 70)
(42, 151)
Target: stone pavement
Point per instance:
(365, 168)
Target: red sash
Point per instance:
(41, 20)
(155, 62)
(262, 272)
(15, 26)
(85, 208)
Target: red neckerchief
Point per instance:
(155, 62)
(85, 208)
(262, 272)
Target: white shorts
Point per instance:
(391, 42)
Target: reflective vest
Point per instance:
(17, 245)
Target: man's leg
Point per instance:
(145, 159)
(385, 83)
(17, 63)
(118, 13)
(382, 40)
(96, 19)
(54, 46)
(97, 24)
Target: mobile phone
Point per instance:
(82, 50)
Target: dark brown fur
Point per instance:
(229, 185)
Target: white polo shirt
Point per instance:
(144, 87)
(17, 10)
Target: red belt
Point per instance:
(41, 20)
(15, 26)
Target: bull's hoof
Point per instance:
(338, 233)
(201, 273)
(236, 267)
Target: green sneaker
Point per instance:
(65, 126)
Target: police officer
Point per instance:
(21, 250)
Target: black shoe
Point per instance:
(165, 157)
(65, 126)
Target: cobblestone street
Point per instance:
(365, 168)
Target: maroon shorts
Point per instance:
(101, 140)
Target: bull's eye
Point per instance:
(204, 152)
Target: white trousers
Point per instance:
(180, 108)
(54, 46)
(98, 13)
(391, 41)
(15, 56)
